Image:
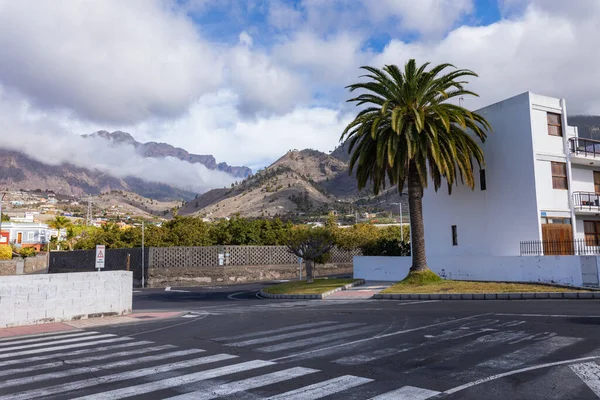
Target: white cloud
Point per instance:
(111, 60)
(246, 39)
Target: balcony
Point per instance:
(586, 202)
(584, 151)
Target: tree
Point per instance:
(313, 245)
(410, 130)
(4, 218)
(58, 223)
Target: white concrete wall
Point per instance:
(36, 299)
(582, 178)
(549, 199)
(566, 270)
(495, 221)
(543, 142)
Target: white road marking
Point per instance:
(68, 346)
(518, 371)
(316, 340)
(117, 377)
(530, 353)
(418, 302)
(510, 324)
(222, 390)
(322, 389)
(367, 357)
(589, 373)
(168, 289)
(4, 350)
(74, 353)
(176, 381)
(536, 337)
(419, 328)
(407, 393)
(28, 380)
(284, 336)
(278, 330)
(27, 339)
(549, 315)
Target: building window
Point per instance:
(592, 232)
(556, 220)
(554, 124)
(559, 175)
(454, 236)
(30, 236)
(482, 182)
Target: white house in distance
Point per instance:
(541, 182)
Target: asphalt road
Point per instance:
(231, 344)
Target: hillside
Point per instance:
(18, 171)
(300, 182)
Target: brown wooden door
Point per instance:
(558, 239)
(19, 238)
(597, 182)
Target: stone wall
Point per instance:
(30, 265)
(198, 276)
(38, 299)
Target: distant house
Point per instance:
(28, 234)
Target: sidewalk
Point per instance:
(365, 291)
(56, 327)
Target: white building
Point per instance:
(540, 182)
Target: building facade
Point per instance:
(34, 235)
(540, 184)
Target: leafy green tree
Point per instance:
(4, 218)
(187, 231)
(409, 132)
(313, 245)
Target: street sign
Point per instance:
(543, 213)
(100, 256)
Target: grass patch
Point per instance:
(421, 278)
(448, 286)
(319, 286)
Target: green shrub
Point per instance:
(27, 252)
(5, 252)
(386, 247)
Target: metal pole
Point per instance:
(401, 224)
(143, 281)
(1, 200)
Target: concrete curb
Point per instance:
(310, 296)
(491, 296)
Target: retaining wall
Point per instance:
(37, 299)
(566, 270)
(18, 266)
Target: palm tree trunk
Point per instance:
(415, 202)
(309, 271)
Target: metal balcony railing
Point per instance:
(586, 201)
(579, 247)
(585, 147)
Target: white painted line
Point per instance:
(117, 377)
(284, 336)
(232, 295)
(530, 353)
(419, 328)
(4, 350)
(418, 302)
(278, 330)
(518, 371)
(407, 393)
(214, 391)
(168, 289)
(83, 370)
(68, 346)
(510, 324)
(316, 340)
(45, 339)
(535, 336)
(176, 381)
(589, 373)
(549, 315)
(44, 336)
(73, 353)
(322, 389)
(367, 357)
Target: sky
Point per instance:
(247, 81)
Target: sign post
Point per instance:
(100, 256)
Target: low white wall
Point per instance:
(566, 270)
(37, 299)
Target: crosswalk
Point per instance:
(94, 365)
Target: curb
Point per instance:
(311, 296)
(491, 296)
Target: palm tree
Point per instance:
(410, 131)
(59, 223)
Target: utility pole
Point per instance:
(143, 283)
(401, 222)
(88, 219)
(1, 200)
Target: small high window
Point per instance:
(554, 124)
(454, 236)
(482, 182)
(559, 175)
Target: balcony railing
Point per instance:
(579, 247)
(585, 147)
(585, 201)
